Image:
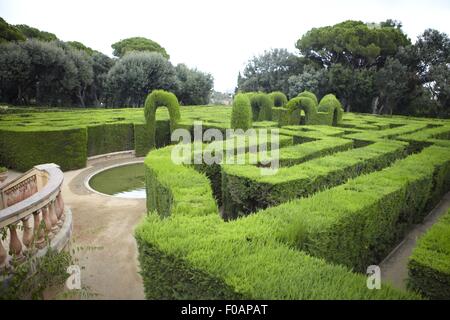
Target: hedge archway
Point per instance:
(156, 99)
(308, 94)
(331, 105)
(261, 107)
(279, 99)
(301, 103)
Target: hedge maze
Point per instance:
(343, 198)
(348, 189)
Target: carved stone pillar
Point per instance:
(3, 253)
(60, 200)
(47, 221)
(27, 237)
(53, 217)
(38, 230)
(15, 246)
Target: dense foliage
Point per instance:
(370, 67)
(137, 44)
(39, 69)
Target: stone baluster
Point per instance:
(60, 200)
(15, 246)
(27, 237)
(53, 217)
(38, 230)
(47, 221)
(3, 253)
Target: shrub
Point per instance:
(241, 114)
(22, 150)
(429, 264)
(245, 190)
(160, 98)
(194, 254)
(343, 224)
(279, 98)
(261, 107)
(106, 138)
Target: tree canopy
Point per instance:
(353, 43)
(137, 44)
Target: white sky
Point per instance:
(217, 36)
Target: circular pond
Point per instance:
(124, 181)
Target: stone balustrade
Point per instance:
(32, 214)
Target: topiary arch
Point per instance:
(279, 99)
(304, 103)
(331, 105)
(308, 94)
(261, 107)
(160, 98)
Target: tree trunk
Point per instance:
(375, 105)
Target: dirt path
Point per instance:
(394, 268)
(103, 227)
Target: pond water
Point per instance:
(125, 181)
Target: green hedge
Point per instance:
(156, 99)
(106, 138)
(22, 150)
(262, 106)
(279, 99)
(310, 95)
(330, 105)
(241, 114)
(429, 264)
(280, 115)
(358, 223)
(194, 254)
(143, 141)
(304, 103)
(245, 190)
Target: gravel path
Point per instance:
(394, 268)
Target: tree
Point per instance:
(353, 43)
(9, 32)
(101, 64)
(270, 71)
(80, 46)
(312, 79)
(193, 86)
(84, 75)
(137, 44)
(391, 84)
(135, 75)
(34, 33)
(355, 88)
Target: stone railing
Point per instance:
(32, 214)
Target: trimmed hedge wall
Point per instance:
(358, 223)
(25, 149)
(429, 264)
(142, 140)
(245, 190)
(106, 138)
(194, 254)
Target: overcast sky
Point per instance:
(217, 36)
